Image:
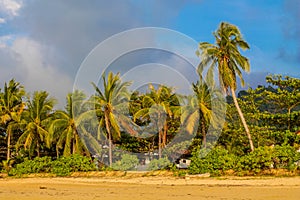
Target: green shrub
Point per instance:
(37, 165)
(74, 163)
(284, 137)
(263, 158)
(260, 159)
(63, 166)
(215, 161)
(6, 165)
(161, 163)
(127, 162)
(285, 157)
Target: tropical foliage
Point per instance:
(160, 105)
(225, 55)
(102, 128)
(108, 107)
(63, 129)
(36, 119)
(11, 108)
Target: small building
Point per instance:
(183, 163)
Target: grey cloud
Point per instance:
(291, 30)
(160, 12)
(24, 61)
(66, 31)
(73, 28)
(253, 80)
(9, 62)
(171, 66)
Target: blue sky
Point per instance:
(43, 43)
(269, 27)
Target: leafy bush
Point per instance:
(285, 157)
(260, 159)
(284, 137)
(6, 165)
(61, 167)
(279, 157)
(161, 163)
(127, 162)
(65, 165)
(37, 165)
(215, 161)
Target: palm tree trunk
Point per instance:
(57, 153)
(164, 142)
(109, 139)
(203, 130)
(74, 149)
(289, 120)
(159, 143)
(242, 118)
(38, 149)
(160, 134)
(8, 144)
(110, 149)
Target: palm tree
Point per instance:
(158, 104)
(201, 109)
(36, 118)
(11, 108)
(63, 129)
(225, 55)
(108, 106)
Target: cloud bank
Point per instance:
(43, 43)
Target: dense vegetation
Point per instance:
(261, 130)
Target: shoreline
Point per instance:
(148, 188)
(163, 180)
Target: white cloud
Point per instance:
(2, 20)
(74, 28)
(10, 7)
(4, 39)
(52, 38)
(26, 61)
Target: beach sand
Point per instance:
(158, 188)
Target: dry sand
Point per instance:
(144, 188)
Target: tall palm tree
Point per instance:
(63, 129)
(11, 108)
(226, 56)
(108, 106)
(203, 108)
(158, 104)
(36, 118)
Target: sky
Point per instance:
(44, 43)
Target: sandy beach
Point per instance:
(125, 188)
